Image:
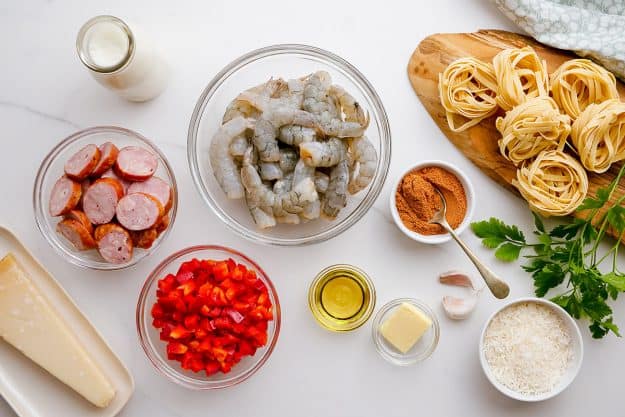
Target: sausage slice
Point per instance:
(65, 196)
(76, 233)
(162, 224)
(155, 187)
(81, 217)
(114, 243)
(80, 165)
(135, 163)
(101, 199)
(139, 211)
(108, 155)
(144, 238)
(111, 174)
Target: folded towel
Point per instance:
(591, 28)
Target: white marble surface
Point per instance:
(45, 95)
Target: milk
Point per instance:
(122, 59)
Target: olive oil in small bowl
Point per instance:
(341, 298)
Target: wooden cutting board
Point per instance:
(479, 143)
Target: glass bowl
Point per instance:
(155, 349)
(256, 67)
(52, 168)
(424, 347)
(323, 316)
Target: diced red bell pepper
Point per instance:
(179, 332)
(176, 348)
(212, 367)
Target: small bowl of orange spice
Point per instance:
(414, 200)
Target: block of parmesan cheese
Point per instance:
(30, 323)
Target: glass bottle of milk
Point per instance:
(122, 59)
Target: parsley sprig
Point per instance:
(568, 253)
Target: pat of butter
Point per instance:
(405, 327)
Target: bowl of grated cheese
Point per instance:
(531, 349)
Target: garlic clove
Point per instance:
(456, 278)
(459, 308)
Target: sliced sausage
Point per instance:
(84, 185)
(162, 224)
(135, 164)
(101, 200)
(111, 174)
(80, 165)
(108, 155)
(80, 215)
(77, 234)
(144, 238)
(155, 187)
(65, 196)
(138, 211)
(114, 243)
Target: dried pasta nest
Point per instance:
(554, 184)
(532, 127)
(520, 75)
(467, 91)
(580, 82)
(598, 134)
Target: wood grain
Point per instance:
(479, 143)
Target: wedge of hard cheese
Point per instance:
(31, 325)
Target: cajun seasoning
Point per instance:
(417, 200)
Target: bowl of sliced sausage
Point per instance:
(105, 198)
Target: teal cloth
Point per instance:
(591, 28)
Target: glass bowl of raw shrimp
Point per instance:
(253, 69)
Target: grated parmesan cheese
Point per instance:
(528, 348)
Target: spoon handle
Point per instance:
(499, 288)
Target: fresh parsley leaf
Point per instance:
(538, 223)
(549, 276)
(496, 228)
(492, 242)
(597, 330)
(615, 280)
(565, 231)
(508, 252)
(616, 218)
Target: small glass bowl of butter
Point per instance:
(405, 331)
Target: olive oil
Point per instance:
(341, 298)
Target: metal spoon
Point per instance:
(499, 288)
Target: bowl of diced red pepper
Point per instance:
(208, 317)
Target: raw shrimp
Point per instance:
(288, 160)
(295, 135)
(291, 201)
(303, 171)
(276, 93)
(224, 168)
(311, 210)
(239, 108)
(323, 154)
(351, 109)
(340, 129)
(283, 185)
(317, 99)
(270, 171)
(336, 194)
(266, 130)
(243, 108)
(265, 141)
(321, 182)
(297, 199)
(364, 163)
(238, 145)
